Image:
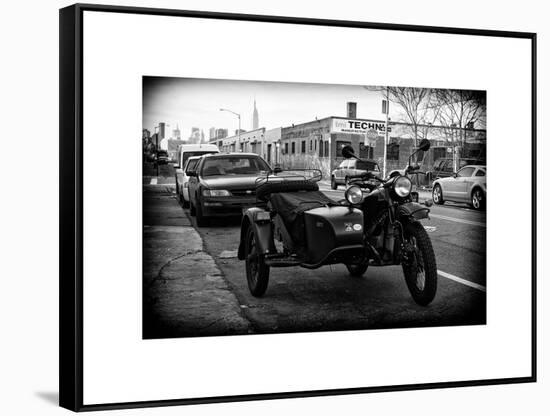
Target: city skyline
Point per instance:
(196, 103)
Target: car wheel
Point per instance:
(333, 184)
(437, 195)
(184, 203)
(202, 221)
(478, 199)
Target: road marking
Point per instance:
(460, 220)
(461, 280)
(153, 181)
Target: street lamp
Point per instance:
(239, 131)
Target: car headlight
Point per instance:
(354, 194)
(215, 192)
(402, 186)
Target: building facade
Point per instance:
(317, 144)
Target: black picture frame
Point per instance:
(71, 205)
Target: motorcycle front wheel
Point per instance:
(419, 264)
(257, 272)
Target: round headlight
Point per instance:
(354, 194)
(402, 186)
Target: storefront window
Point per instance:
(393, 151)
(366, 151)
(339, 145)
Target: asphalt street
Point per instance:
(208, 294)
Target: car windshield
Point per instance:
(234, 165)
(187, 155)
(367, 165)
(191, 164)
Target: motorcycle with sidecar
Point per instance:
(295, 224)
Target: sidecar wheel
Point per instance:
(257, 273)
(420, 268)
(357, 270)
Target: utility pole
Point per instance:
(157, 149)
(386, 109)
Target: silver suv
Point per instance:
(350, 167)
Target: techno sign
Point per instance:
(343, 125)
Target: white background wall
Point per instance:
(29, 206)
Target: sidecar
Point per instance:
(297, 225)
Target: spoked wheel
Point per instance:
(257, 273)
(478, 200)
(437, 195)
(419, 264)
(357, 269)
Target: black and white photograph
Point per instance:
(281, 207)
(260, 207)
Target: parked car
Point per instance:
(184, 152)
(162, 157)
(444, 167)
(182, 180)
(224, 184)
(468, 185)
(350, 167)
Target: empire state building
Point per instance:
(255, 117)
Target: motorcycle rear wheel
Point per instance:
(257, 272)
(358, 269)
(420, 269)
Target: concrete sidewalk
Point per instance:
(184, 292)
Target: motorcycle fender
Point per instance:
(262, 229)
(414, 210)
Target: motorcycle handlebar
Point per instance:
(367, 176)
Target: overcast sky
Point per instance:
(196, 102)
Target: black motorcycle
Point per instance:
(393, 234)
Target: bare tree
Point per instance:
(460, 110)
(415, 106)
